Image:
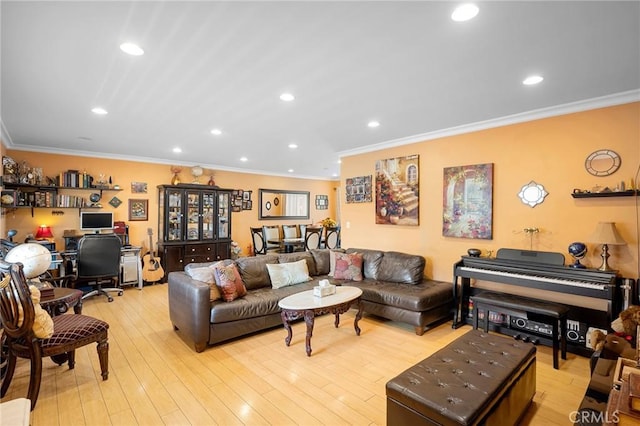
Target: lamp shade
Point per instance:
(44, 231)
(606, 233)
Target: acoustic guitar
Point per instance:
(151, 270)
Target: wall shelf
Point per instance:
(629, 193)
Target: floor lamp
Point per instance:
(606, 234)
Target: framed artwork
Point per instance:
(397, 191)
(358, 189)
(467, 202)
(241, 200)
(138, 209)
(138, 187)
(115, 202)
(322, 202)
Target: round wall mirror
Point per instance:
(603, 162)
(532, 194)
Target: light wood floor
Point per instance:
(156, 379)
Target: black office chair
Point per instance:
(332, 237)
(312, 238)
(259, 246)
(98, 262)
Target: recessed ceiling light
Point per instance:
(216, 132)
(293, 145)
(465, 12)
(290, 170)
(132, 49)
(244, 159)
(339, 161)
(99, 111)
(373, 124)
(287, 97)
(532, 79)
(177, 150)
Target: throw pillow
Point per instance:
(286, 274)
(206, 274)
(348, 266)
(229, 281)
(42, 323)
(332, 261)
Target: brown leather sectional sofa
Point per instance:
(394, 287)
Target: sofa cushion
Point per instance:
(322, 260)
(256, 303)
(290, 273)
(421, 297)
(253, 270)
(296, 256)
(230, 283)
(371, 261)
(401, 268)
(348, 266)
(205, 274)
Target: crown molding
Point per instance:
(537, 114)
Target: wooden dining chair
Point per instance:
(332, 237)
(312, 238)
(290, 231)
(259, 245)
(272, 233)
(70, 332)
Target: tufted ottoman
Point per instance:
(477, 379)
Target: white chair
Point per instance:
(332, 237)
(290, 231)
(312, 238)
(271, 233)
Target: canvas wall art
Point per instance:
(358, 189)
(397, 191)
(467, 210)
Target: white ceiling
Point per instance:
(224, 64)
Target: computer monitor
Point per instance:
(96, 221)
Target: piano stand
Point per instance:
(548, 312)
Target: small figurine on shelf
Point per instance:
(211, 181)
(175, 179)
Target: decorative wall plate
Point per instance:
(115, 202)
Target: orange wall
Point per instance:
(125, 172)
(549, 151)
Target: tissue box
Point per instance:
(324, 290)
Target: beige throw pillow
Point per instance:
(286, 274)
(205, 274)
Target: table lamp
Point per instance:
(606, 234)
(44, 232)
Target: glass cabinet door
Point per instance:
(193, 215)
(208, 215)
(174, 215)
(223, 215)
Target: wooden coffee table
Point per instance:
(305, 304)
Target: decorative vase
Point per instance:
(394, 218)
(175, 179)
(383, 211)
(211, 181)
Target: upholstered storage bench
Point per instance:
(478, 378)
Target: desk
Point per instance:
(130, 265)
(288, 245)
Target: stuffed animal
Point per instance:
(627, 321)
(611, 345)
(597, 339)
